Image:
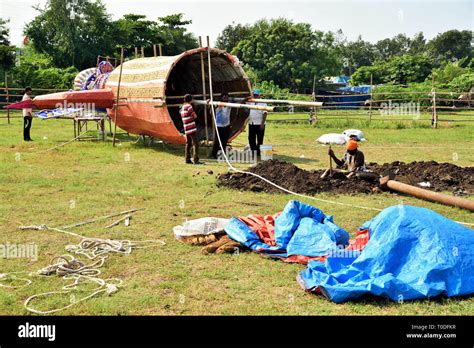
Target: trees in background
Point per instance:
(289, 54)
(7, 51)
(232, 35)
(451, 45)
(74, 33)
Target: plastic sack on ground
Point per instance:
(332, 138)
(358, 133)
(413, 253)
(202, 226)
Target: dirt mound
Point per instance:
(441, 176)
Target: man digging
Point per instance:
(352, 162)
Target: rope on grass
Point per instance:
(67, 266)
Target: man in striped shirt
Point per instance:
(190, 130)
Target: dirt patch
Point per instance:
(441, 176)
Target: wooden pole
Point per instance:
(136, 52)
(286, 102)
(434, 115)
(143, 52)
(370, 100)
(313, 99)
(234, 105)
(118, 96)
(160, 49)
(211, 91)
(7, 97)
(154, 50)
(204, 97)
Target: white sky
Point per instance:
(374, 20)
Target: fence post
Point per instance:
(434, 115)
(160, 49)
(370, 101)
(7, 97)
(154, 50)
(136, 52)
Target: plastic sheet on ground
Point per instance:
(413, 253)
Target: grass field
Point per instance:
(87, 179)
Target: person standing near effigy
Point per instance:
(190, 130)
(257, 120)
(27, 115)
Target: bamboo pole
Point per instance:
(370, 100)
(313, 99)
(82, 223)
(234, 105)
(211, 90)
(286, 102)
(434, 116)
(154, 50)
(7, 97)
(118, 96)
(203, 76)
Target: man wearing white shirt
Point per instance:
(223, 126)
(27, 115)
(257, 119)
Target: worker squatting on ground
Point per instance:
(257, 119)
(190, 130)
(223, 126)
(27, 115)
(352, 162)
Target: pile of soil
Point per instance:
(441, 176)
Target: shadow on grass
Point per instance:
(382, 302)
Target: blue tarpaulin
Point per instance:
(300, 229)
(413, 253)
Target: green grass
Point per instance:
(177, 279)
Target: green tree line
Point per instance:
(67, 36)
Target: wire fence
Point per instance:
(400, 106)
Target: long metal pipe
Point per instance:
(234, 105)
(394, 185)
(286, 102)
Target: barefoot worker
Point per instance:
(190, 130)
(27, 115)
(352, 162)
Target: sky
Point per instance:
(373, 20)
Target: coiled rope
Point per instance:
(67, 266)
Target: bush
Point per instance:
(399, 70)
(462, 83)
